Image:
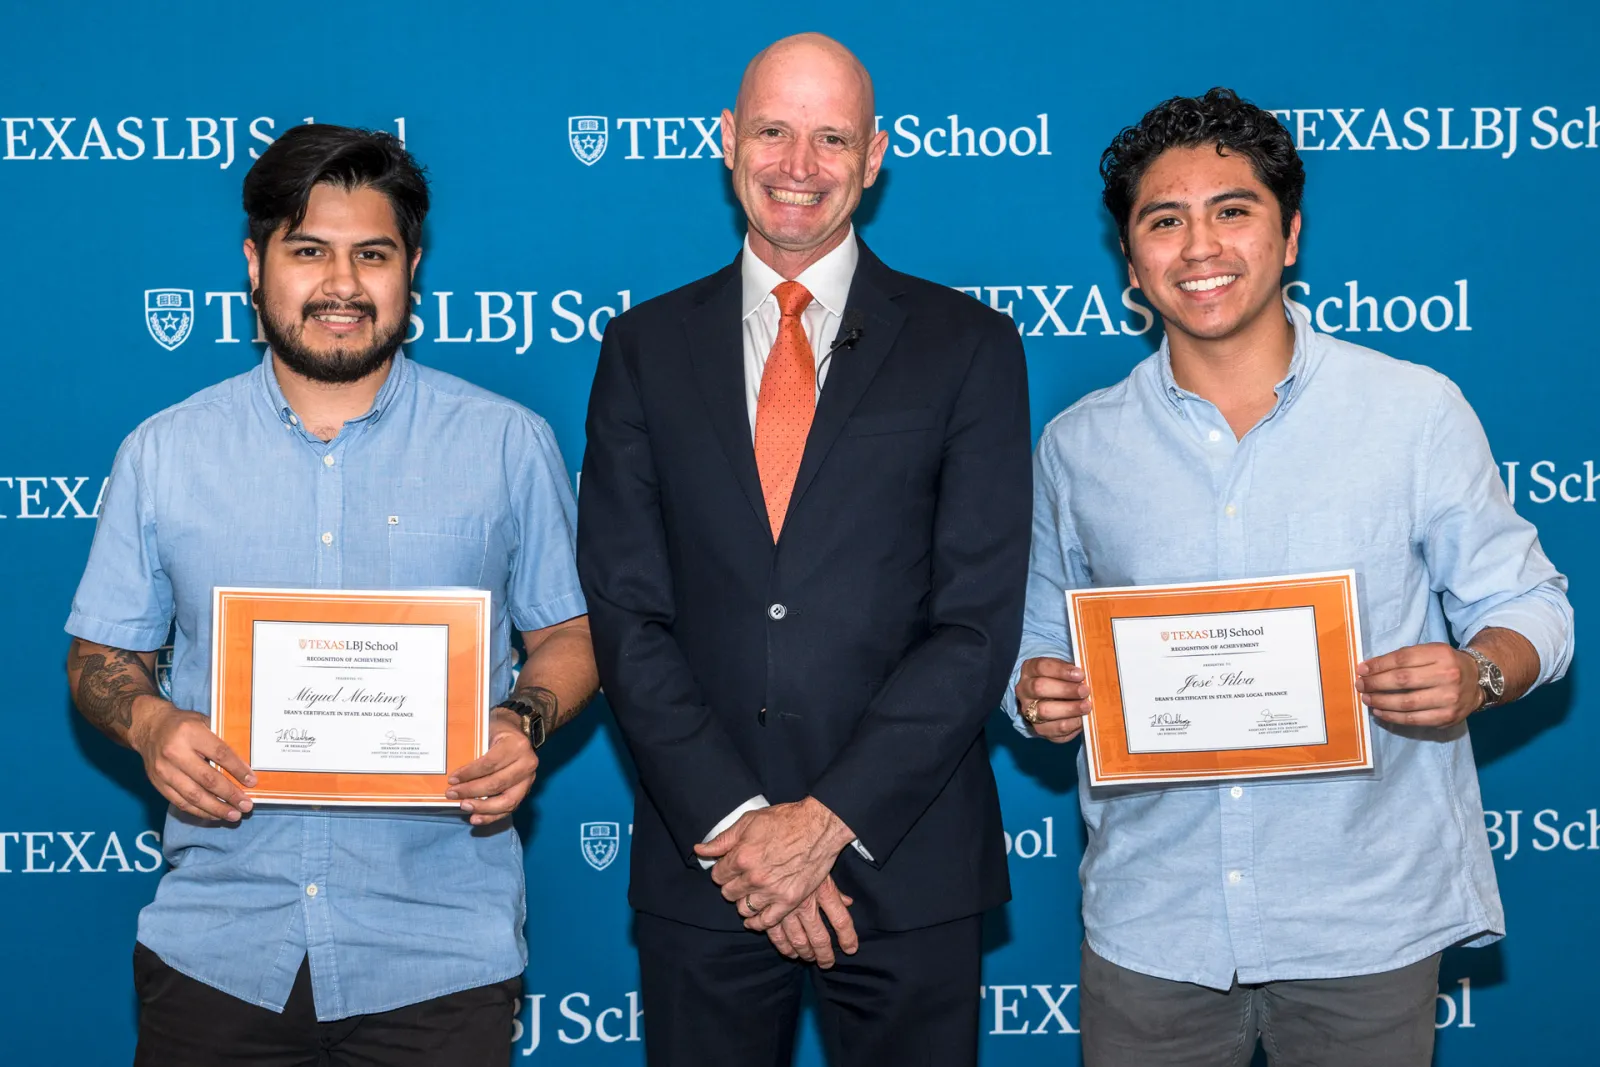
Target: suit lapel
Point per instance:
(715, 330)
(852, 369)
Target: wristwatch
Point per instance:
(528, 716)
(1490, 680)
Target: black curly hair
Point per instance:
(1219, 118)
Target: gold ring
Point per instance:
(752, 912)
(1031, 712)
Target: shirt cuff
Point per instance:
(1542, 625)
(755, 803)
(117, 635)
(859, 847)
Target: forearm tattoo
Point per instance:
(109, 681)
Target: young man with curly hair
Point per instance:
(1306, 914)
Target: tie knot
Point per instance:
(793, 298)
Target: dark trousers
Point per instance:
(185, 1023)
(718, 999)
(1370, 1020)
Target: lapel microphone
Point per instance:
(850, 331)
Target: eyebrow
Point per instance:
(310, 239)
(1181, 205)
(759, 122)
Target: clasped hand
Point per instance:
(773, 865)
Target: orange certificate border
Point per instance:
(1331, 595)
(464, 611)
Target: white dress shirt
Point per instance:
(828, 282)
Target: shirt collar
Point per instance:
(828, 279)
(1300, 364)
(399, 375)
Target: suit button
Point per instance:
(761, 716)
(776, 612)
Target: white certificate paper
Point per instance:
(1220, 681)
(349, 697)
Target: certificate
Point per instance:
(351, 697)
(1242, 679)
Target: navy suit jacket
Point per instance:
(855, 660)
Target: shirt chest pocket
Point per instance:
(1374, 543)
(437, 550)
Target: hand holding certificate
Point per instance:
(339, 697)
(1222, 679)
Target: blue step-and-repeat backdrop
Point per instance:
(1452, 153)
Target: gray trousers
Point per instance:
(1130, 1019)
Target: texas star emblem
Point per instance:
(169, 313)
(601, 841)
(587, 136)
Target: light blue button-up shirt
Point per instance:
(439, 484)
(1364, 462)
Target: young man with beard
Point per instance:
(1308, 914)
(280, 935)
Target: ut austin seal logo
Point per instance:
(169, 313)
(164, 671)
(601, 842)
(587, 136)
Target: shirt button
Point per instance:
(776, 612)
(1234, 878)
(1230, 511)
(1236, 792)
(327, 461)
(1214, 435)
(294, 421)
(327, 538)
(311, 890)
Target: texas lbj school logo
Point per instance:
(587, 136)
(169, 313)
(601, 842)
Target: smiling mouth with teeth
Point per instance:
(1206, 284)
(789, 196)
(338, 319)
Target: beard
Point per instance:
(339, 365)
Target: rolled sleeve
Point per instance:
(543, 589)
(124, 599)
(1055, 565)
(1484, 559)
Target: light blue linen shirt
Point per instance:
(439, 484)
(1364, 462)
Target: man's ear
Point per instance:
(252, 259)
(875, 150)
(1291, 251)
(730, 138)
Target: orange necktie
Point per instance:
(786, 404)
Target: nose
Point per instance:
(800, 161)
(341, 282)
(1203, 242)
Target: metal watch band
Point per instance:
(1487, 669)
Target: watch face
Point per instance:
(1496, 681)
